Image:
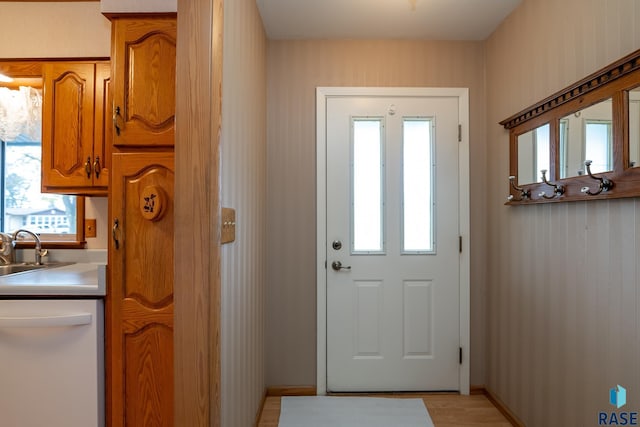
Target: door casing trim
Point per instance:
(322, 94)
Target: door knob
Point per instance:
(337, 266)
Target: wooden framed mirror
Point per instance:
(586, 139)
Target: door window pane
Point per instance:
(417, 182)
(367, 179)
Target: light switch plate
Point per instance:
(228, 217)
(90, 228)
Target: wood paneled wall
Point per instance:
(563, 304)
(243, 187)
(295, 69)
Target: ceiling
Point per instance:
(383, 19)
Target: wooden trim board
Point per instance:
(197, 214)
(260, 409)
(291, 391)
(498, 403)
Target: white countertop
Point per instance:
(79, 279)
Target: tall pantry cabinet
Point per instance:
(140, 294)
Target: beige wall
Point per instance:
(563, 301)
(59, 30)
(243, 180)
(44, 30)
(295, 69)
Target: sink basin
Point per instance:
(26, 267)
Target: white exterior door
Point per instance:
(392, 243)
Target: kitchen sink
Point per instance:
(24, 267)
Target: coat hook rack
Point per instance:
(604, 184)
(524, 193)
(558, 190)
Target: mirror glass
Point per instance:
(533, 154)
(587, 135)
(634, 127)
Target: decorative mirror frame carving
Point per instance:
(613, 81)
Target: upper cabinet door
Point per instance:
(67, 124)
(103, 130)
(144, 74)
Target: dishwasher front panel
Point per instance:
(52, 363)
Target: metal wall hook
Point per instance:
(524, 193)
(604, 184)
(558, 190)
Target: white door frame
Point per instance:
(322, 93)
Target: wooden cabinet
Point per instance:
(139, 307)
(76, 128)
(144, 59)
(140, 297)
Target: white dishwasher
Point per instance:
(51, 363)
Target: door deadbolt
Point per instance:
(337, 245)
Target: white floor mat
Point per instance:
(325, 411)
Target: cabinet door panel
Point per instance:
(144, 52)
(67, 134)
(140, 297)
(149, 356)
(103, 132)
(147, 245)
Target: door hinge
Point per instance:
(459, 133)
(460, 355)
(460, 244)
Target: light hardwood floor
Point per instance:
(446, 410)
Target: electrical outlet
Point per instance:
(90, 228)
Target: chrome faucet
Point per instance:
(39, 251)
